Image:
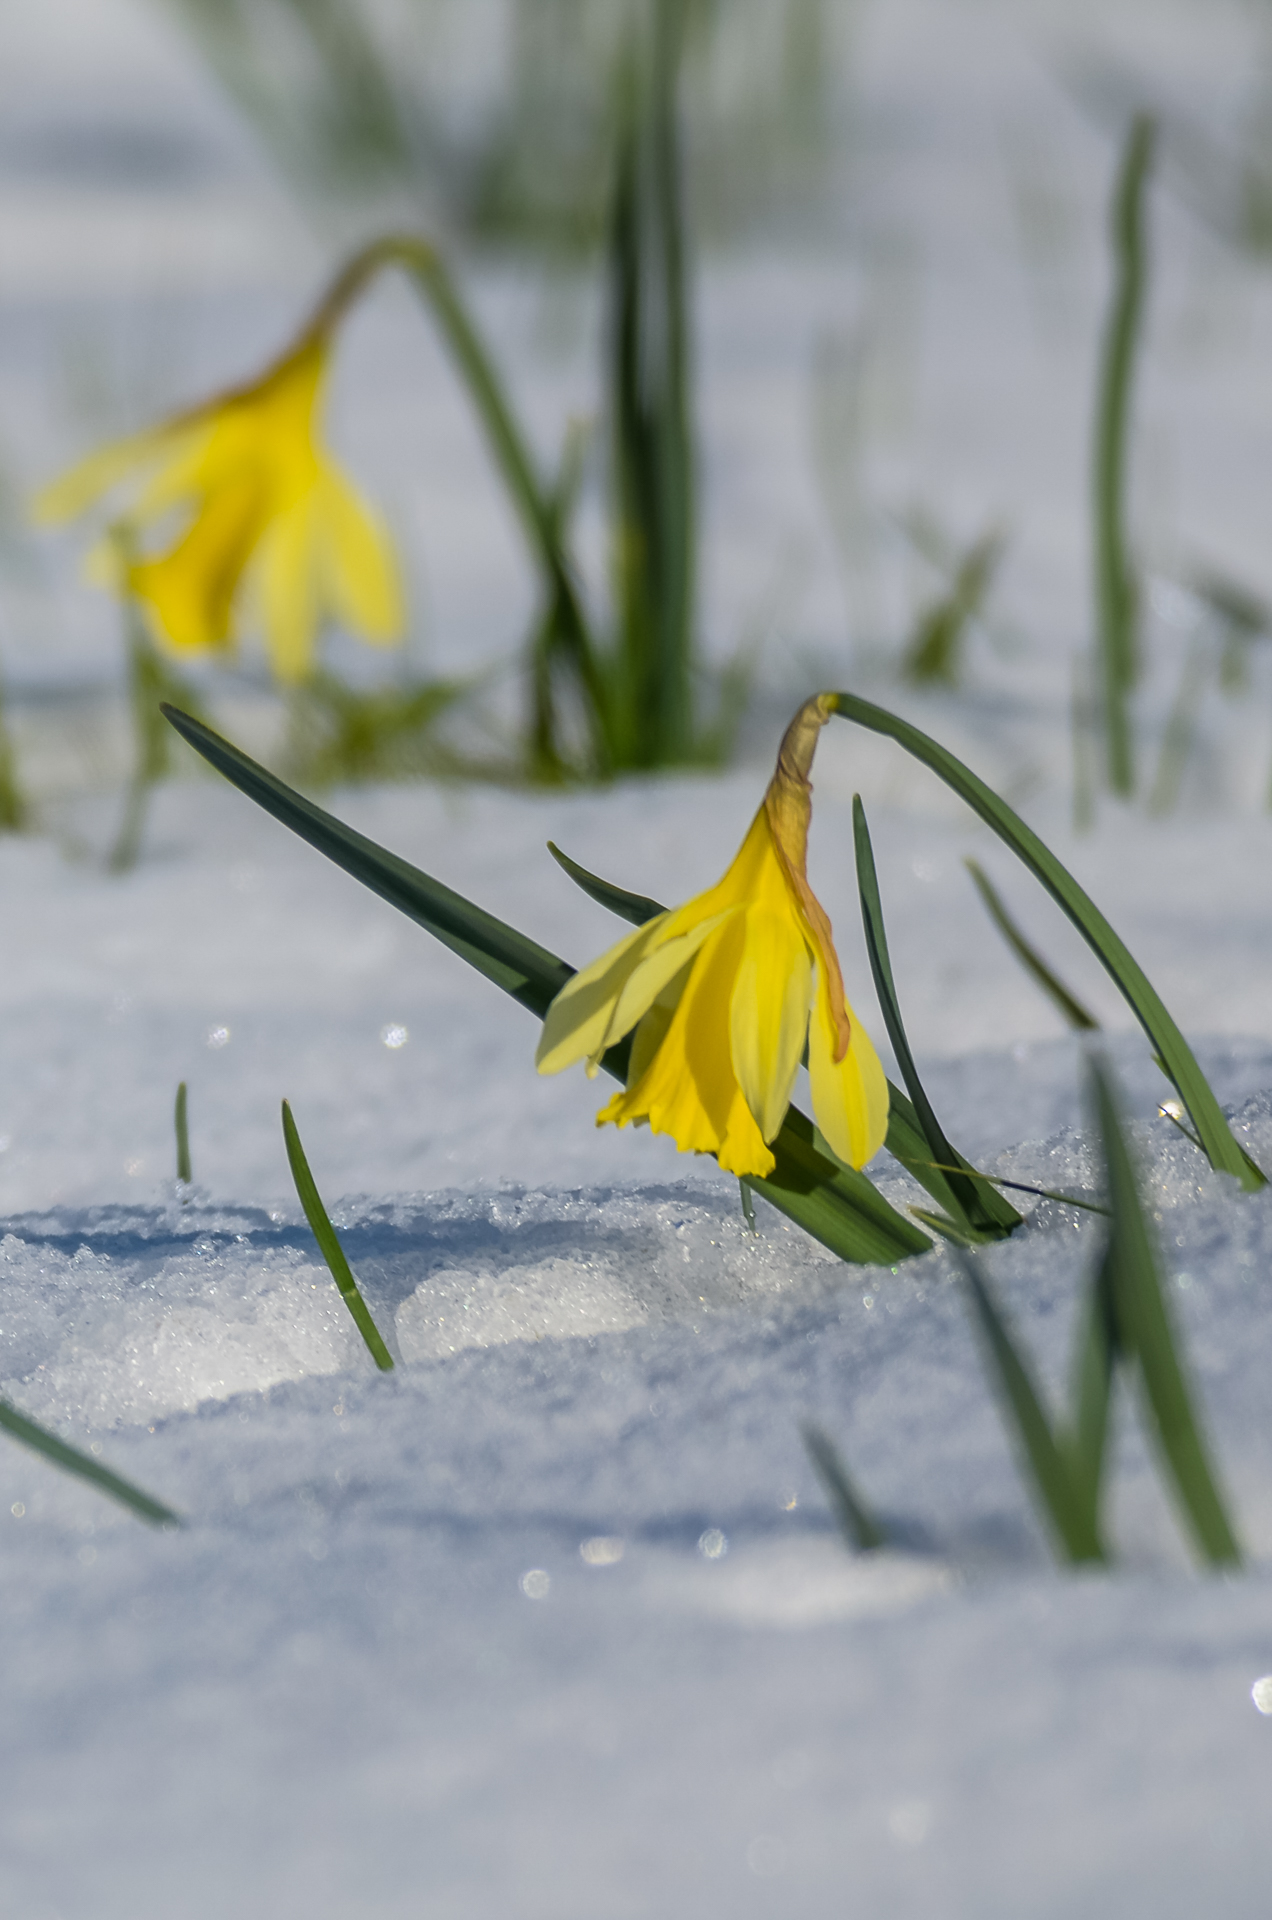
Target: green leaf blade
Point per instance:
(1219, 1144)
(860, 1529)
(526, 971)
(1067, 1004)
(979, 1208)
(1045, 1457)
(82, 1466)
(1146, 1331)
(181, 1124)
(329, 1245)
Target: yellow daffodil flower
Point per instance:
(725, 992)
(266, 521)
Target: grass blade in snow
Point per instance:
(975, 1204)
(1045, 1456)
(857, 1524)
(1067, 1004)
(1116, 586)
(1218, 1142)
(1096, 1359)
(1146, 1332)
(181, 1121)
(329, 1246)
(84, 1467)
(837, 1205)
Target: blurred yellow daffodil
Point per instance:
(264, 525)
(725, 992)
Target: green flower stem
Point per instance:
(563, 633)
(1218, 1142)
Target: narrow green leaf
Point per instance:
(1067, 1004)
(1022, 1186)
(1045, 1457)
(84, 1467)
(636, 908)
(329, 1246)
(856, 1522)
(956, 1231)
(837, 1205)
(981, 1210)
(1116, 585)
(1096, 1357)
(1146, 1331)
(523, 969)
(1220, 1146)
(182, 1124)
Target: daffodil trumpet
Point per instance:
(724, 995)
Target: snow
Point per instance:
(553, 1621)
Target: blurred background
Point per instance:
(897, 212)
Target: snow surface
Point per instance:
(552, 1622)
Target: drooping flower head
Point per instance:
(725, 992)
(255, 521)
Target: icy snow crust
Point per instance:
(551, 1622)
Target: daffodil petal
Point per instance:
(576, 1022)
(190, 591)
(68, 496)
(768, 1017)
(652, 972)
(850, 1097)
(288, 595)
(689, 1089)
(652, 1027)
(361, 572)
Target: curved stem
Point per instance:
(563, 630)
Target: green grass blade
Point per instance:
(1045, 1458)
(981, 1209)
(1146, 1331)
(855, 1521)
(1116, 587)
(1220, 1146)
(956, 1231)
(1098, 1351)
(934, 655)
(182, 1124)
(838, 1206)
(1067, 1004)
(526, 971)
(648, 401)
(329, 1246)
(1180, 729)
(84, 1467)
